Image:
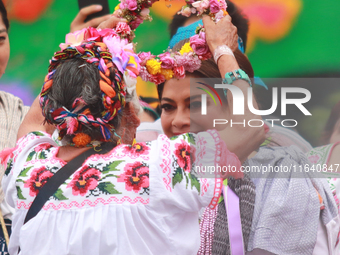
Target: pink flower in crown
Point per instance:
(123, 28)
(199, 45)
(186, 12)
(73, 39)
(145, 56)
(189, 61)
(179, 72)
(91, 34)
(215, 6)
(136, 22)
(314, 159)
(144, 74)
(130, 4)
(219, 15)
(167, 61)
(145, 12)
(223, 5)
(201, 6)
(116, 48)
(193, 64)
(157, 79)
(43, 146)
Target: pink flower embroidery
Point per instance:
(185, 155)
(137, 149)
(314, 159)
(6, 154)
(83, 180)
(136, 177)
(43, 146)
(37, 180)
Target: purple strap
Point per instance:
(232, 205)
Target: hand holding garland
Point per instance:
(224, 33)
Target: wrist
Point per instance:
(220, 51)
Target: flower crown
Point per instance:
(214, 8)
(134, 11)
(110, 52)
(158, 69)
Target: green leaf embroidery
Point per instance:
(173, 137)
(42, 155)
(107, 188)
(9, 166)
(111, 167)
(37, 133)
(191, 139)
(178, 176)
(195, 182)
(30, 156)
(19, 192)
(24, 171)
(59, 195)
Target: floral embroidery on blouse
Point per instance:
(184, 162)
(137, 149)
(37, 180)
(136, 177)
(84, 180)
(120, 176)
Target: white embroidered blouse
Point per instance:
(139, 199)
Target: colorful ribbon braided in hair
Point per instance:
(95, 52)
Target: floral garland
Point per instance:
(214, 8)
(134, 11)
(158, 69)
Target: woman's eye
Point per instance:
(2, 38)
(167, 107)
(195, 105)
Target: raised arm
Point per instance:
(240, 140)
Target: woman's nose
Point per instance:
(181, 119)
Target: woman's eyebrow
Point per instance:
(167, 99)
(3, 30)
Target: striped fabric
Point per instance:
(12, 112)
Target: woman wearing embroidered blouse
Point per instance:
(136, 199)
(286, 208)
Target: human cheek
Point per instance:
(166, 124)
(4, 56)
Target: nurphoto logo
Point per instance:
(239, 103)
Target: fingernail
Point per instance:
(99, 7)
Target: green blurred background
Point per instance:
(291, 38)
